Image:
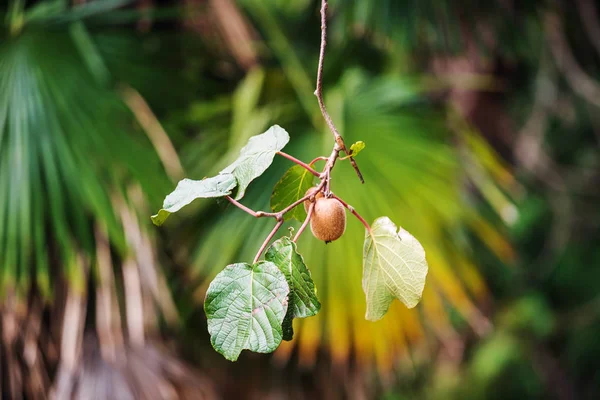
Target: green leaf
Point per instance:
(303, 301)
(394, 266)
(256, 157)
(245, 306)
(357, 148)
(291, 187)
(188, 190)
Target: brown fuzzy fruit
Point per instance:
(308, 192)
(328, 221)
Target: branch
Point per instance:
(353, 211)
(277, 215)
(319, 90)
(324, 176)
(300, 163)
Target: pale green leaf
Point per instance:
(188, 190)
(291, 187)
(256, 157)
(303, 301)
(357, 148)
(394, 266)
(245, 306)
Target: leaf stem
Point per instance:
(268, 239)
(243, 207)
(319, 91)
(320, 158)
(354, 212)
(300, 163)
(311, 208)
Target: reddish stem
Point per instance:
(268, 239)
(317, 159)
(353, 211)
(243, 207)
(305, 223)
(300, 163)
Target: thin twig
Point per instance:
(305, 223)
(277, 215)
(268, 239)
(354, 212)
(300, 163)
(319, 90)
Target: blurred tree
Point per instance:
(76, 260)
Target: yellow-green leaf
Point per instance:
(394, 266)
(357, 148)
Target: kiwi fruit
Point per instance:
(328, 221)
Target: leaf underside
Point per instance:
(245, 306)
(394, 266)
(188, 190)
(253, 160)
(256, 157)
(291, 187)
(303, 301)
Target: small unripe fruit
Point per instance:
(309, 192)
(328, 221)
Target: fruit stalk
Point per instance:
(309, 213)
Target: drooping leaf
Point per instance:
(291, 187)
(256, 157)
(245, 306)
(303, 301)
(188, 190)
(394, 266)
(357, 147)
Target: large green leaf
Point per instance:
(303, 301)
(245, 306)
(291, 187)
(188, 190)
(394, 266)
(256, 157)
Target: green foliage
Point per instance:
(245, 306)
(66, 145)
(394, 267)
(303, 301)
(291, 187)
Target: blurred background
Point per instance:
(482, 126)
